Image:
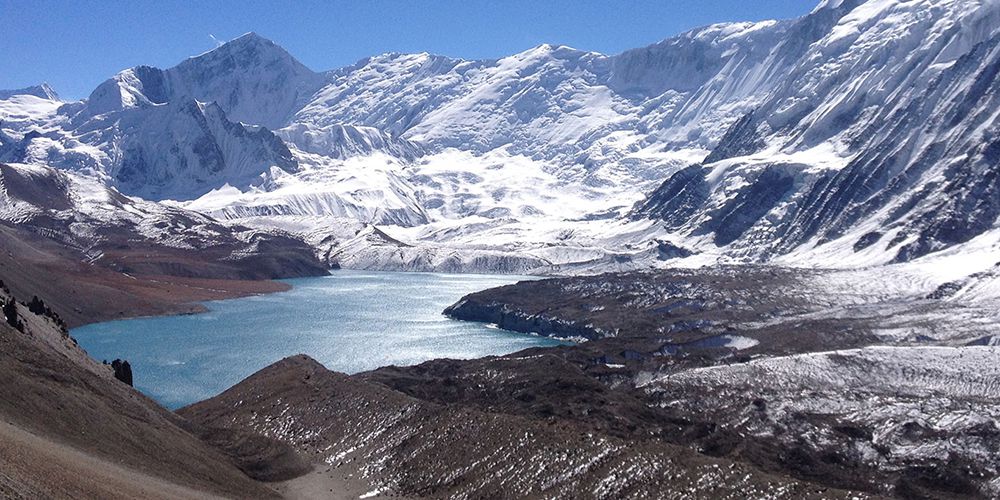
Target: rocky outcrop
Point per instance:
(744, 210)
(123, 371)
(678, 199)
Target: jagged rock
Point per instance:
(123, 371)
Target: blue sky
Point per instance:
(75, 45)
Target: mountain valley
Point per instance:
(773, 249)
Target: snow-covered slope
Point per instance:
(371, 189)
(880, 142)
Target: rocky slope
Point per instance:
(401, 444)
(70, 429)
(802, 372)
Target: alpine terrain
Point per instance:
(774, 245)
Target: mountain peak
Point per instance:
(249, 39)
(548, 50)
(549, 47)
(247, 48)
(252, 78)
(42, 90)
(250, 35)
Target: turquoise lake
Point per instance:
(350, 321)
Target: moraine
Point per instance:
(351, 321)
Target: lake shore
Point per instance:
(352, 321)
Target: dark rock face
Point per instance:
(666, 251)
(10, 315)
(682, 199)
(154, 84)
(970, 206)
(123, 371)
(746, 208)
(679, 198)
(741, 139)
(867, 240)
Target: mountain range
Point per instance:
(804, 214)
(864, 133)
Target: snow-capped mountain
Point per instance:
(254, 80)
(130, 134)
(181, 132)
(42, 90)
(862, 133)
